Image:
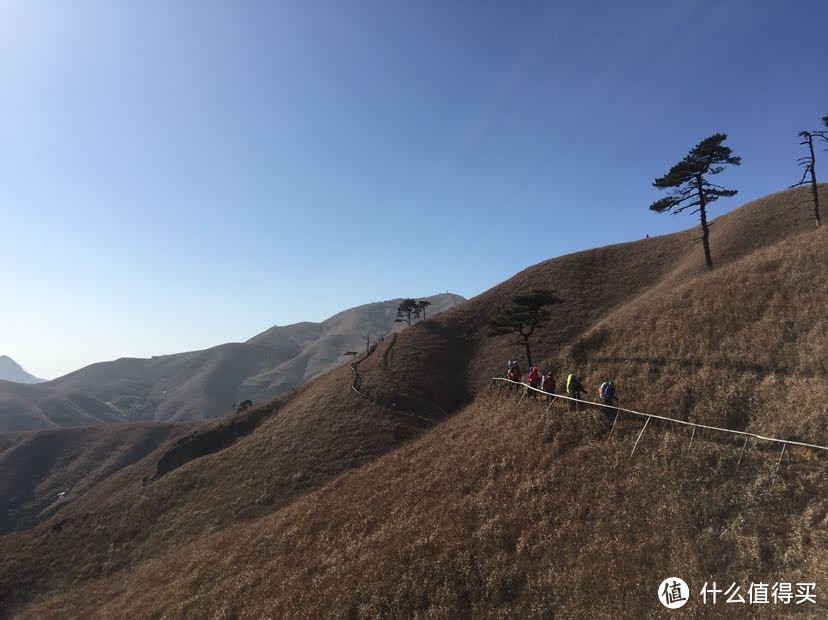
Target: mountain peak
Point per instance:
(12, 371)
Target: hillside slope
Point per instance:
(494, 510)
(199, 384)
(44, 471)
(342, 332)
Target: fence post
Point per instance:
(612, 428)
(639, 436)
(742, 452)
(781, 454)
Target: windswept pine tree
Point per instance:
(406, 309)
(809, 163)
(420, 311)
(411, 309)
(689, 185)
(526, 313)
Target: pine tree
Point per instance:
(526, 313)
(690, 187)
(809, 162)
(421, 309)
(405, 311)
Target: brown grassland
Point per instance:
(458, 502)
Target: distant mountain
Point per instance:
(11, 371)
(200, 384)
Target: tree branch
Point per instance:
(804, 174)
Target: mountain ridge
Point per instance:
(199, 384)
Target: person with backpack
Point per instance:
(513, 374)
(607, 393)
(574, 388)
(534, 379)
(548, 384)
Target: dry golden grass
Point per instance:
(328, 510)
(744, 347)
(494, 513)
(126, 519)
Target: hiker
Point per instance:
(574, 387)
(548, 385)
(533, 378)
(607, 393)
(513, 374)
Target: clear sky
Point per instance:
(174, 175)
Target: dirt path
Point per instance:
(386, 362)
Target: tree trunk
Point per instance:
(705, 227)
(813, 180)
(528, 354)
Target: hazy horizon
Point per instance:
(175, 176)
(212, 344)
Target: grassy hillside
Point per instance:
(422, 502)
(495, 514)
(33, 407)
(38, 466)
(294, 443)
(342, 332)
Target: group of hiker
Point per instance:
(545, 382)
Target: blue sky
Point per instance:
(174, 175)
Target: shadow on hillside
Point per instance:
(428, 395)
(461, 345)
(206, 441)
